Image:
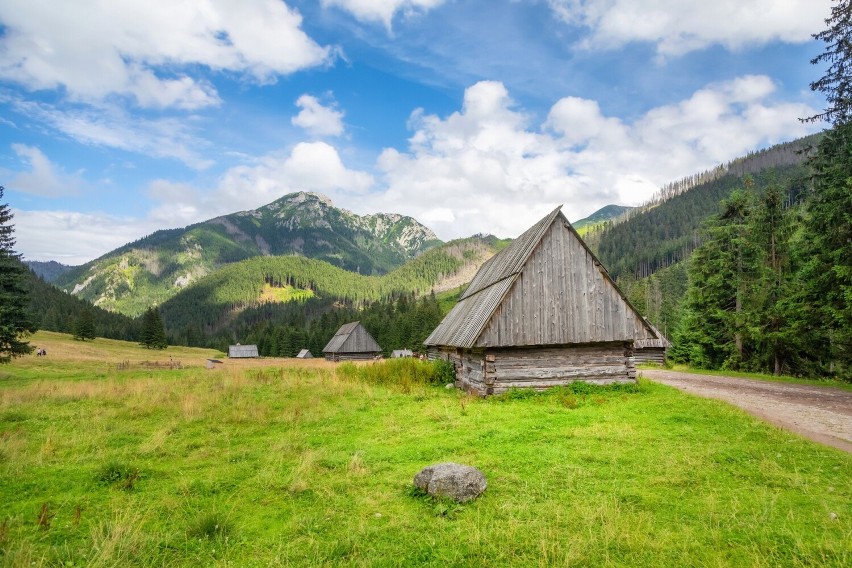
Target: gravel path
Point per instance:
(822, 414)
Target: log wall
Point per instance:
(651, 355)
(494, 371)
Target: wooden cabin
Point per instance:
(542, 312)
(651, 350)
(398, 353)
(305, 354)
(352, 342)
(242, 351)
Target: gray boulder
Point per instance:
(456, 481)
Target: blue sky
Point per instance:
(120, 118)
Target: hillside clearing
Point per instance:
(280, 463)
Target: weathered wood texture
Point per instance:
(352, 338)
(350, 356)
(562, 296)
(650, 355)
(494, 371)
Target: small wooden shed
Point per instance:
(651, 350)
(242, 351)
(542, 312)
(352, 342)
(397, 353)
(305, 354)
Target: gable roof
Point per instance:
(305, 354)
(239, 351)
(465, 323)
(352, 338)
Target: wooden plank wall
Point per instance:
(495, 371)
(561, 297)
(359, 340)
(650, 355)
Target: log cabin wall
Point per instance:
(494, 371)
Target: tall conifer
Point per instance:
(15, 322)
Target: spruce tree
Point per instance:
(836, 84)
(15, 322)
(153, 332)
(84, 326)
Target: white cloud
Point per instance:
(74, 238)
(42, 177)
(680, 26)
(310, 166)
(383, 11)
(137, 48)
(486, 169)
(317, 119)
(110, 126)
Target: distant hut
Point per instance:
(651, 350)
(304, 354)
(351, 342)
(397, 353)
(213, 363)
(242, 351)
(542, 312)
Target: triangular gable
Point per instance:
(546, 288)
(352, 338)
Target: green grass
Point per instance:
(313, 465)
(758, 376)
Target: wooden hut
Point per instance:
(398, 353)
(242, 351)
(351, 342)
(305, 354)
(651, 350)
(542, 312)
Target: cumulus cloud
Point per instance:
(317, 119)
(489, 167)
(486, 168)
(42, 177)
(309, 166)
(382, 11)
(136, 48)
(681, 26)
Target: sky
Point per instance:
(121, 118)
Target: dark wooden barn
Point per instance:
(542, 312)
(352, 342)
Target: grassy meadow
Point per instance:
(111, 455)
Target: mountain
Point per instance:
(294, 288)
(52, 309)
(602, 215)
(153, 269)
(49, 271)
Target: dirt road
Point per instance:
(822, 414)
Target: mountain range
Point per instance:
(153, 269)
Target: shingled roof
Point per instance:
(352, 338)
(466, 321)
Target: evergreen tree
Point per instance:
(714, 328)
(84, 326)
(836, 84)
(15, 322)
(153, 332)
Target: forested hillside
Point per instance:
(52, 309)
(263, 291)
(153, 269)
(665, 230)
